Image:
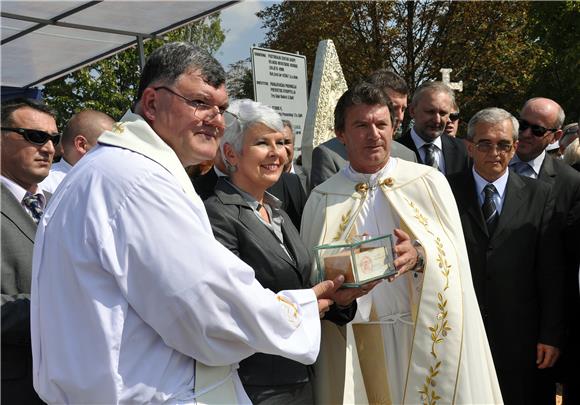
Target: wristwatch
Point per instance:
(420, 265)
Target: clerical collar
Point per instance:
(372, 179)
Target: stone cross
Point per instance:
(446, 78)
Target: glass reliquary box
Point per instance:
(362, 261)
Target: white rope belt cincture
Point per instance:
(404, 317)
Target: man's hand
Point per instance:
(406, 254)
(346, 296)
(546, 355)
(325, 291)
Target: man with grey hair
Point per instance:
(134, 301)
(79, 136)
(513, 255)
(431, 106)
(541, 120)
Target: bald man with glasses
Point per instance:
(29, 136)
(541, 120)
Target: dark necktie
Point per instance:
(32, 202)
(489, 209)
(430, 155)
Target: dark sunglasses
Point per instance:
(35, 136)
(537, 130)
(454, 116)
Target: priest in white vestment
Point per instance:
(133, 300)
(418, 338)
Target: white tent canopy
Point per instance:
(44, 40)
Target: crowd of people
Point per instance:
(168, 257)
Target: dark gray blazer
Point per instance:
(329, 157)
(236, 226)
(18, 231)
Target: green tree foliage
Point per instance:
(110, 84)
(487, 44)
(239, 82)
(554, 27)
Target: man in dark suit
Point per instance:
(329, 157)
(430, 107)
(513, 255)
(27, 148)
(541, 120)
(288, 189)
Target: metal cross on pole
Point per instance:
(446, 78)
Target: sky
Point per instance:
(242, 30)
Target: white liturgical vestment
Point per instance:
(134, 301)
(420, 338)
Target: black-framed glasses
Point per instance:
(501, 147)
(454, 116)
(202, 110)
(537, 130)
(35, 136)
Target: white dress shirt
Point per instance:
(535, 164)
(500, 185)
(420, 143)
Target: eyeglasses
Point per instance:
(486, 147)
(454, 116)
(204, 111)
(35, 136)
(537, 130)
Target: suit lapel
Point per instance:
(548, 170)
(513, 202)
(408, 142)
(449, 154)
(228, 195)
(292, 241)
(16, 214)
(469, 202)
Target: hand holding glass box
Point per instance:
(360, 262)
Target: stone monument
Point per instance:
(328, 84)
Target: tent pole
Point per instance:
(141, 52)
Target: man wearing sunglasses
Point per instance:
(453, 123)
(541, 120)
(515, 262)
(133, 299)
(27, 142)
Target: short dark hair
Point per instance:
(361, 93)
(10, 106)
(387, 79)
(173, 59)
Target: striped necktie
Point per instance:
(34, 205)
(430, 155)
(489, 209)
